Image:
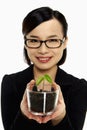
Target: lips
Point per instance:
(44, 59)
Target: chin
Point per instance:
(44, 67)
(41, 67)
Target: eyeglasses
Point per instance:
(50, 43)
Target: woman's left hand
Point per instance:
(60, 110)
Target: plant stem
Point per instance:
(43, 85)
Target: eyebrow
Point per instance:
(51, 36)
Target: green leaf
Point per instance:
(48, 78)
(39, 80)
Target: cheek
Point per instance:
(58, 54)
(30, 53)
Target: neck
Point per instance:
(38, 72)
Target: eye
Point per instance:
(53, 40)
(33, 40)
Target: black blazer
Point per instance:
(75, 95)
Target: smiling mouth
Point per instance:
(44, 59)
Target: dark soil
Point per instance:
(37, 101)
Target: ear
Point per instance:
(65, 42)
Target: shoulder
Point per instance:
(67, 79)
(20, 74)
(18, 78)
(73, 87)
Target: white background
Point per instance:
(12, 13)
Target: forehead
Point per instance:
(52, 27)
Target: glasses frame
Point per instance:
(41, 41)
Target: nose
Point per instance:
(43, 48)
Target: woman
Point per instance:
(45, 49)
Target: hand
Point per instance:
(57, 115)
(24, 105)
(60, 111)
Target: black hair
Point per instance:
(38, 16)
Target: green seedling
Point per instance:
(42, 78)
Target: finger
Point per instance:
(55, 86)
(31, 84)
(46, 118)
(60, 95)
(35, 117)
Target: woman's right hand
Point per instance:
(24, 104)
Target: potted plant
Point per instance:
(42, 101)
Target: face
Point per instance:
(45, 58)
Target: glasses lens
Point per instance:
(32, 43)
(53, 43)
